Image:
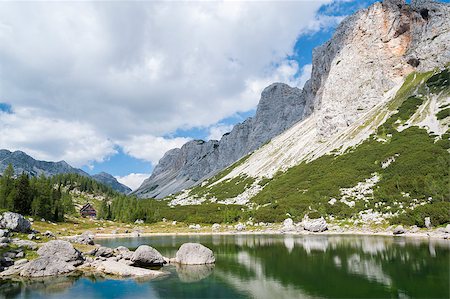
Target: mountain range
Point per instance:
(23, 163)
(353, 76)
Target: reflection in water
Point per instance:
(193, 273)
(273, 266)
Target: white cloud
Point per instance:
(53, 139)
(216, 132)
(98, 74)
(151, 148)
(133, 180)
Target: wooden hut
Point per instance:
(88, 211)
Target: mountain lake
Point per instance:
(270, 266)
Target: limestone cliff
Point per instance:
(371, 52)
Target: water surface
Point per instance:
(271, 266)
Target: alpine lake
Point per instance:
(270, 266)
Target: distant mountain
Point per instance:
(111, 181)
(25, 163)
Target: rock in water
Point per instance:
(315, 225)
(14, 222)
(147, 256)
(61, 250)
(120, 269)
(194, 254)
(399, 230)
(46, 266)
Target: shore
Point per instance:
(432, 234)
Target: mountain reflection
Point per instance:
(272, 266)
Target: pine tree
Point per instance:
(6, 187)
(23, 198)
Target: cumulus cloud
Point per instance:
(133, 180)
(53, 139)
(150, 148)
(84, 77)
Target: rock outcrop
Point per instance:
(61, 250)
(194, 254)
(14, 222)
(314, 225)
(147, 256)
(46, 266)
(279, 108)
(370, 53)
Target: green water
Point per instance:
(263, 266)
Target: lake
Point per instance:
(271, 266)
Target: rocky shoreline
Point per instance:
(59, 257)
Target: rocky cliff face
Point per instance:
(279, 108)
(370, 53)
(24, 163)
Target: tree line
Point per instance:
(35, 196)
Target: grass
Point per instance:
(421, 168)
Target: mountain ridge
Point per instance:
(377, 48)
(22, 162)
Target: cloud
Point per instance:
(216, 132)
(84, 77)
(150, 148)
(133, 180)
(52, 139)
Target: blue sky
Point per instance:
(111, 86)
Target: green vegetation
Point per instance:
(421, 170)
(443, 113)
(129, 209)
(35, 196)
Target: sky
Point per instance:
(111, 86)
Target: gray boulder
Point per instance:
(104, 252)
(315, 225)
(427, 221)
(46, 266)
(147, 256)
(194, 254)
(124, 252)
(61, 250)
(86, 238)
(24, 243)
(4, 232)
(14, 222)
(447, 229)
(399, 230)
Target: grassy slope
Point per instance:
(421, 168)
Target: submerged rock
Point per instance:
(14, 222)
(120, 269)
(147, 256)
(194, 254)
